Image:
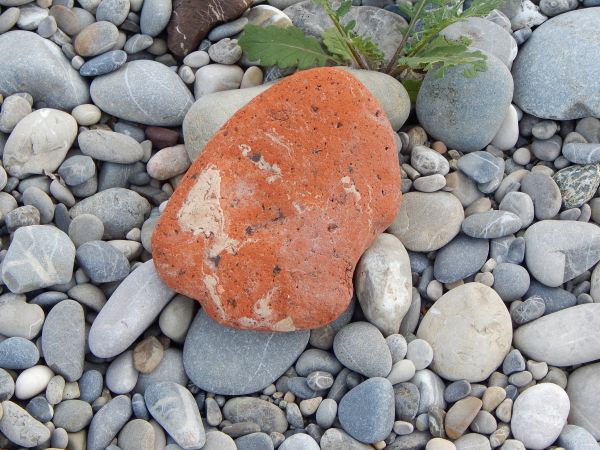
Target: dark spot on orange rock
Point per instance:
(276, 270)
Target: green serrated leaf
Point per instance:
(349, 26)
(368, 49)
(343, 9)
(406, 8)
(282, 47)
(336, 45)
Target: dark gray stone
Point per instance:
(174, 407)
(582, 153)
(529, 310)
(90, 386)
(102, 262)
(107, 422)
(234, 362)
(137, 92)
(513, 362)
(77, 169)
(406, 398)
(63, 339)
(544, 192)
(465, 113)
(72, 415)
(20, 428)
(361, 347)
(40, 409)
(367, 412)
(491, 224)
(119, 209)
(460, 258)
(554, 298)
(7, 385)
(300, 388)
(102, 64)
(170, 368)
(18, 353)
(254, 441)
(457, 390)
(551, 66)
(32, 64)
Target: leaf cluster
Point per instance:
(421, 50)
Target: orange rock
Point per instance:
(267, 226)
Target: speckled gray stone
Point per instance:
(77, 169)
(465, 113)
(90, 385)
(20, 428)
(102, 262)
(519, 203)
(174, 407)
(266, 415)
(30, 63)
(577, 184)
(559, 250)
(361, 347)
(18, 353)
(511, 281)
(551, 67)
(581, 153)
(479, 166)
(555, 299)
(119, 209)
(72, 415)
(573, 437)
(137, 92)
(63, 339)
(252, 441)
(367, 411)
(460, 258)
(38, 256)
(229, 361)
(7, 385)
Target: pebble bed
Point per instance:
(492, 261)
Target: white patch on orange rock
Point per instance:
(201, 213)
(286, 324)
(350, 187)
(261, 163)
(211, 283)
(261, 307)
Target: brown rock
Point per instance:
(267, 226)
(193, 19)
(162, 137)
(147, 354)
(460, 416)
(97, 38)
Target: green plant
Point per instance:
(421, 50)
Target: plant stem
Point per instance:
(355, 55)
(411, 27)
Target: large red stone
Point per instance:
(267, 226)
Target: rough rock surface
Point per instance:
(299, 246)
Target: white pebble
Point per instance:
(508, 134)
(87, 114)
(32, 381)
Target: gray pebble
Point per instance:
(20, 428)
(14, 108)
(8, 19)
(73, 415)
(319, 380)
(59, 438)
(299, 441)
(361, 347)
(428, 162)
(491, 224)
(77, 169)
(520, 204)
(138, 405)
(323, 337)
(23, 216)
(516, 251)
(317, 360)
(548, 149)
(544, 129)
(119, 209)
(107, 422)
(581, 153)
(460, 258)
(114, 11)
(430, 183)
(529, 310)
(225, 51)
(155, 16)
(137, 435)
(484, 423)
(513, 362)
(18, 353)
(407, 398)
(55, 390)
(36, 247)
(121, 375)
(397, 346)
(7, 385)
(457, 390)
(573, 437)
(110, 146)
(294, 416)
(102, 262)
(511, 281)
(299, 387)
(85, 228)
(253, 441)
(137, 43)
(63, 339)
(480, 166)
(555, 299)
(577, 184)
(90, 385)
(170, 369)
(266, 415)
(102, 64)
(326, 413)
(40, 409)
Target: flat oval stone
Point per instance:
(367, 412)
(131, 309)
(39, 142)
(557, 251)
(361, 347)
(72, 415)
(383, 283)
(18, 353)
(228, 361)
(141, 91)
(470, 331)
(39, 256)
(419, 229)
(584, 393)
(119, 209)
(102, 64)
(174, 407)
(107, 422)
(465, 113)
(539, 414)
(155, 16)
(553, 61)
(97, 38)
(63, 339)
(563, 338)
(491, 224)
(102, 262)
(580, 153)
(461, 258)
(216, 220)
(251, 409)
(109, 146)
(32, 64)
(20, 428)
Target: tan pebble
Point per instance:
(492, 397)
(460, 416)
(440, 444)
(252, 77)
(439, 147)
(168, 162)
(147, 354)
